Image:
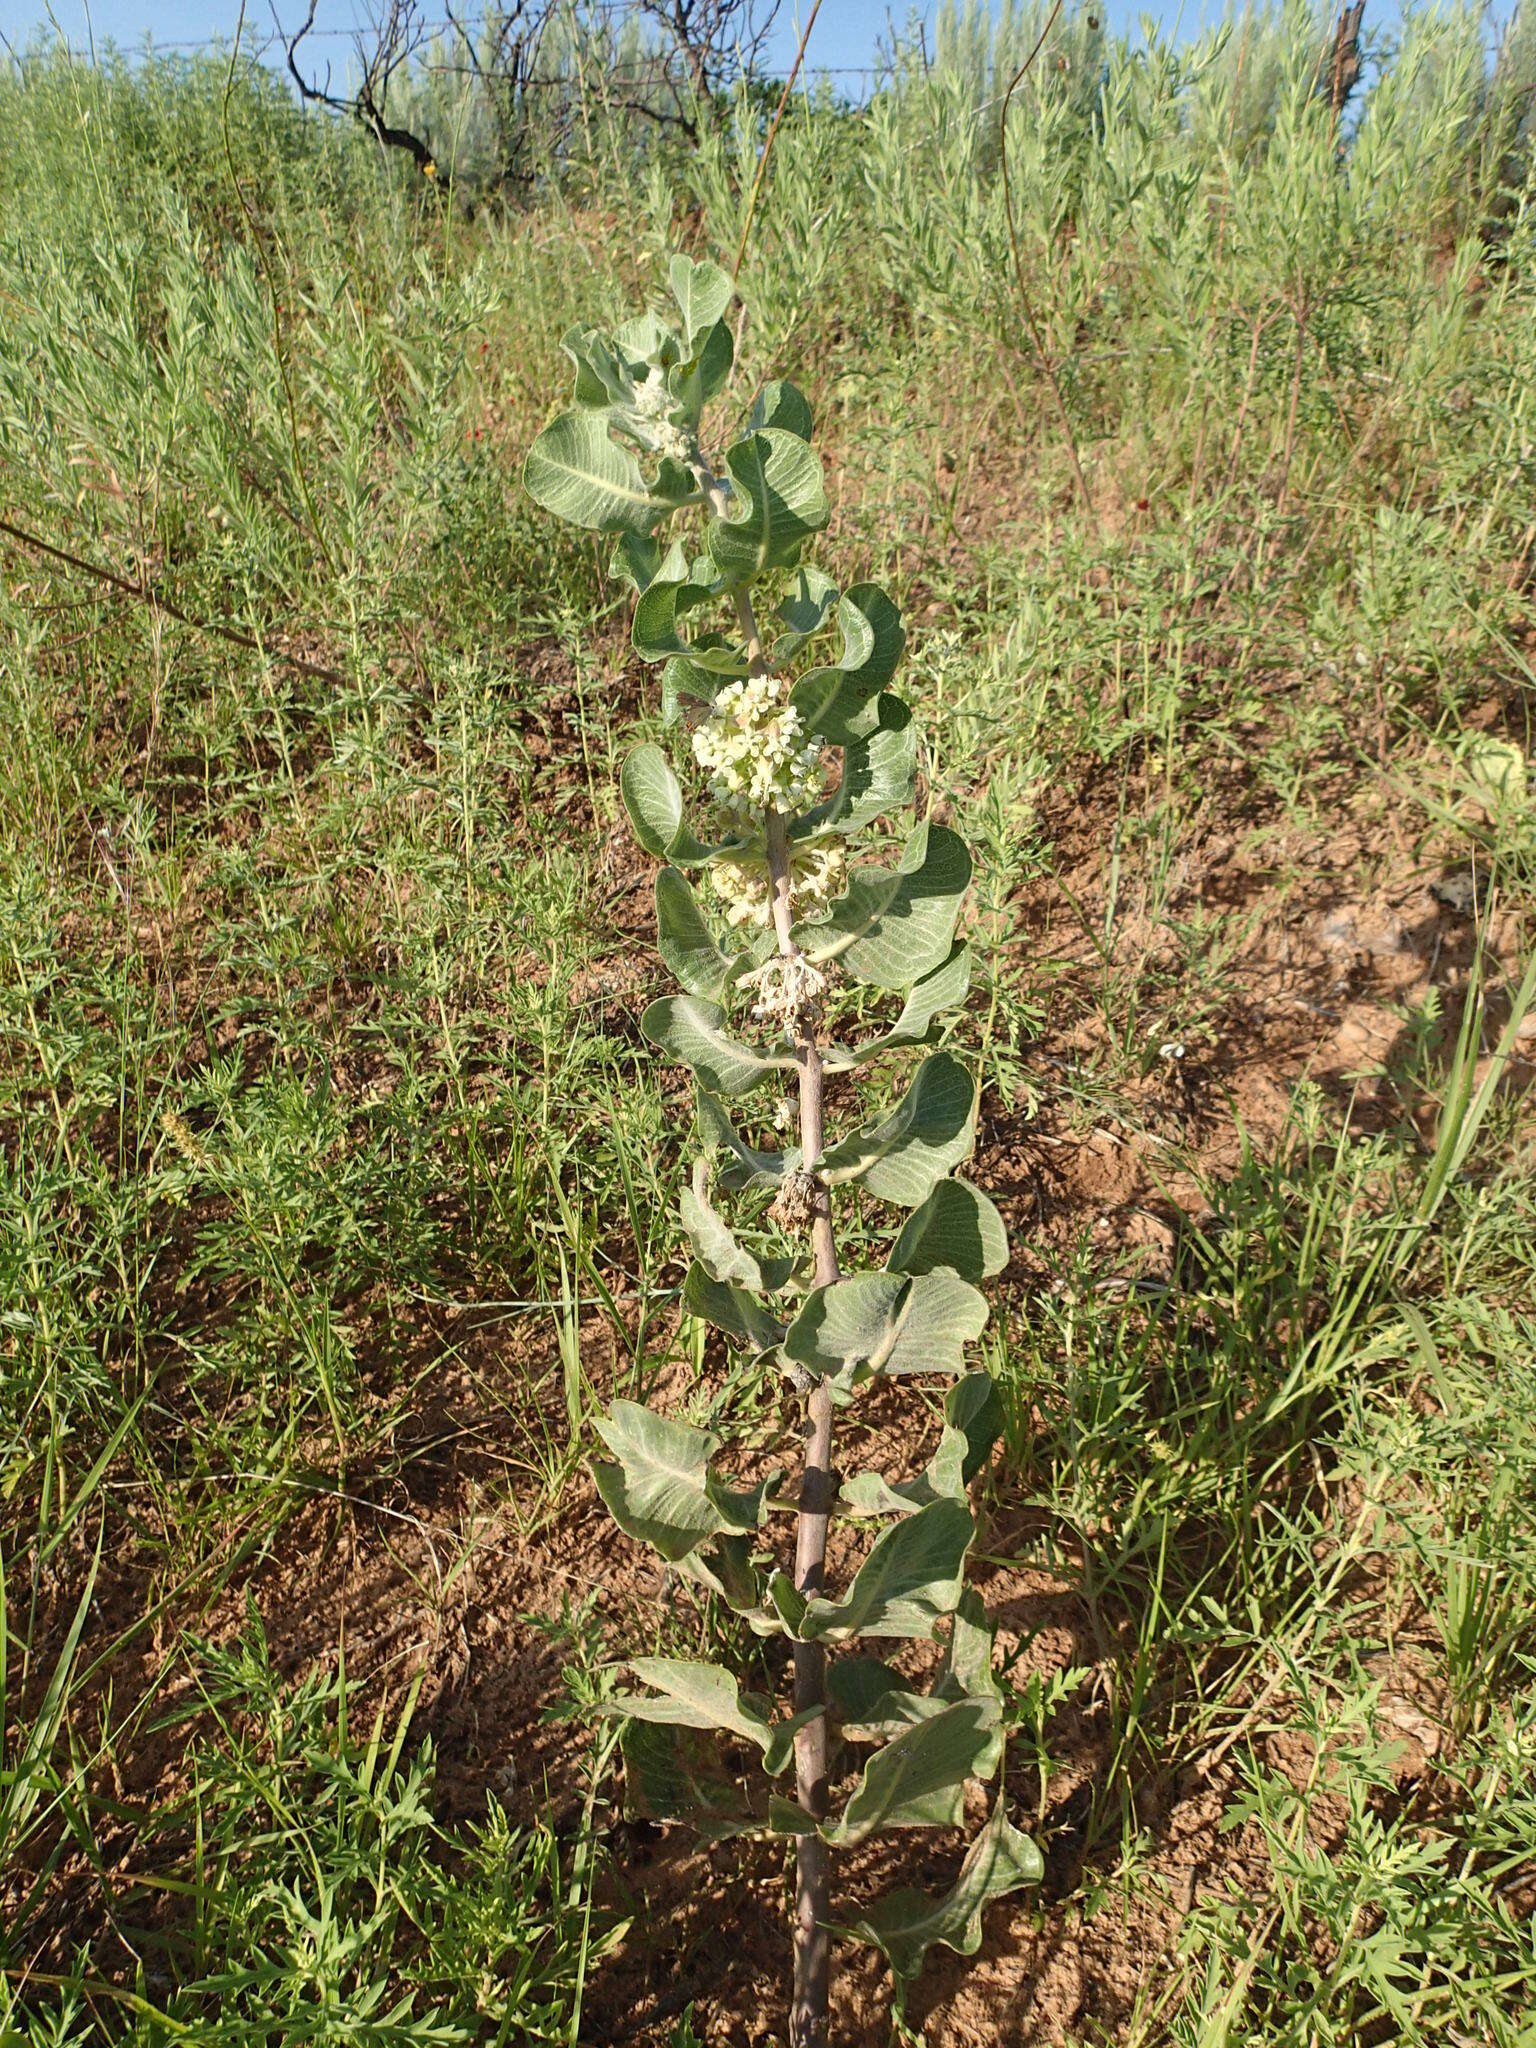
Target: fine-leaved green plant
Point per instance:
(780, 674)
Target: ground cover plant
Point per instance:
(342, 1192)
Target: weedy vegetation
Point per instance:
(1159, 959)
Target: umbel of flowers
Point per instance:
(802, 748)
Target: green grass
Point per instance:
(335, 1192)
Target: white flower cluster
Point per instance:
(818, 875)
(753, 749)
(789, 991)
(653, 401)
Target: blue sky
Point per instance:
(845, 34)
(846, 31)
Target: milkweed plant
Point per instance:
(797, 748)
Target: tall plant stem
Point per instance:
(813, 1946)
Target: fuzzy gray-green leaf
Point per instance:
(894, 925)
(735, 1312)
(744, 1167)
(671, 1774)
(777, 503)
(577, 471)
(909, 1581)
(907, 1923)
(886, 1323)
(702, 291)
(918, 1780)
(692, 1030)
(931, 1129)
(685, 941)
(653, 797)
(689, 1694)
(959, 1227)
(716, 1245)
(929, 1000)
(659, 1488)
(781, 404)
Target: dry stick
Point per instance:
(762, 162)
(145, 594)
(1046, 367)
(813, 1943)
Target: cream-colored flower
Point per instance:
(818, 875)
(754, 749)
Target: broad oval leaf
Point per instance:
(972, 1419)
(931, 1129)
(737, 1314)
(690, 1694)
(653, 797)
(919, 1779)
(716, 1246)
(685, 941)
(692, 1030)
(670, 1774)
(702, 291)
(744, 1167)
(911, 1579)
(886, 1323)
(938, 993)
(577, 471)
(907, 1923)
(959, 1227)
(659, 1487)
(777, 503)
(894, 925)
(780, 404)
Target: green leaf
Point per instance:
(931, 1129)
(886, 1323)
(639, 560)
(778, 502)
(654, 631)
(907, 1923)
(968, 1672)
(659, 1488)
(972, 1418)
(733, 1311)
(894, 925)
(653, 798)
(781, 405)
(692, 1030)
(933, 997)
(671, 1775)
(972, 1406)
(959, 1227)
(802, 611)
(702, 291)
(910, 1580)
(871, 1493)
(647, 342)
(685, 941)
(716, 1247)
(879, 773)
(602, 376)
(871, 1701)
(577, 471)
(745, 1167)
(724, 1567)
(697, 1695)
(705, 374)
(918, 1780)
(873, 642)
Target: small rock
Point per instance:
(1356, 933)
(1458, 893)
